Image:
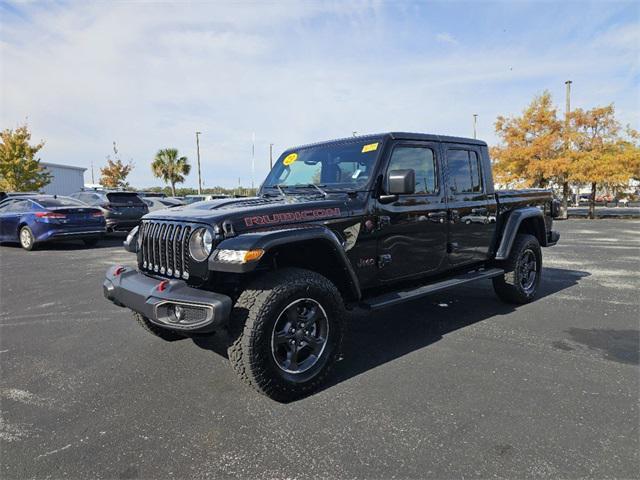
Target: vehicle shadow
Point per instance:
(375, 338)
(108, 241)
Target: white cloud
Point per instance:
(150, 75)
(446, 38)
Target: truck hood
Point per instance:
(257, 212)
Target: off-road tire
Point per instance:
(253, 318)
(31, 244)
(509, 286)
(163, 333)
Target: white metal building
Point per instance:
(66, 179)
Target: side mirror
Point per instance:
(401, 182)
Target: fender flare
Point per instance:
(510, 230)
(268, 240)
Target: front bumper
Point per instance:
(116, 224)
(552, 238)
(203, 311)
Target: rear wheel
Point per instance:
(523, 270)
(27, 240)
(153, 329)
(287, 329)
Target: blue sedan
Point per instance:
(36, 219)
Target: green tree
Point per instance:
(170, 167)
(20, 170)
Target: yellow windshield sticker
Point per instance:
(289, 159)
(372, 147)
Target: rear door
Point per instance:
(412, 232)
(471, 206)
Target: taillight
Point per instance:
(96, 214)
(50, 215)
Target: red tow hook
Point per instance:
(119, 269)
(162, 286)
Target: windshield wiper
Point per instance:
(317, 187)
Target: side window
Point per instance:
(422, 161)
(4, 207)
(464, 171)
(19, 206)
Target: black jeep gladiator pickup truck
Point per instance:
(364, 222)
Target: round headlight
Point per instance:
(200, 244)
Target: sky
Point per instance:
(148, 75)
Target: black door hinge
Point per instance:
(384, 260)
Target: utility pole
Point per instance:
(475, 125)
(270, 156)
(568, 107)
(93, 182)
(199, 174)
(253, 157)
(564, 211)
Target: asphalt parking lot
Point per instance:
(454, 385)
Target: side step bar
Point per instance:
(392, 298)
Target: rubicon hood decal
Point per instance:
(298, 216)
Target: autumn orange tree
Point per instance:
(538, 149)
(114, 175)
(531, 146)
(601, 154)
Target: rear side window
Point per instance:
(124, 198)
(422, 161)
(464, 171)
(19, 206)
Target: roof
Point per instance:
(71, 167)
(397, 136)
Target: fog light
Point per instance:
(176, 313)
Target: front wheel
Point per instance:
(523, 269)
(287, 330)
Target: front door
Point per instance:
(412, 231)
(471, 207)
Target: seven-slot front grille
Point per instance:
(165, 248)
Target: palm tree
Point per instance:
(171, 168)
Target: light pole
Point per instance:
(198, 150)
(270, 156)
(565, 184)
(475, 125)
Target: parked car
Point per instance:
(122, 210)
(31, 220)
(360, 222)
(189, 199)
(5, 195)
(155, 203)
(145, 194)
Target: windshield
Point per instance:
(341, 166)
